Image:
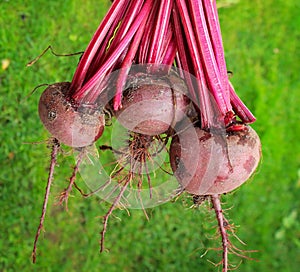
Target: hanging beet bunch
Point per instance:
(158, 67)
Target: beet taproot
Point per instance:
(153, 105)
(223, 161)
(70, 124)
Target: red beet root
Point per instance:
(224, 162)
(76, 127)
(154, 105)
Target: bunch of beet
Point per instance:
(158, 67)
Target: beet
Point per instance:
(153, 105)
(156, 36)
(223, 161)
(69, 124)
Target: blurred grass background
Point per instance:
(261, 40)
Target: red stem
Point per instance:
(182, 60)
(198, 39)
(100, 34)
(131, 13)
(240, 108)
(145, 42)
(102, 51)
(170, 53)
(160, 31)
(88, 92)
(208, 57)
(167, 40)
(126, 64)
(196, 68)
(213, 24)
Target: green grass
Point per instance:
(261, 39)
